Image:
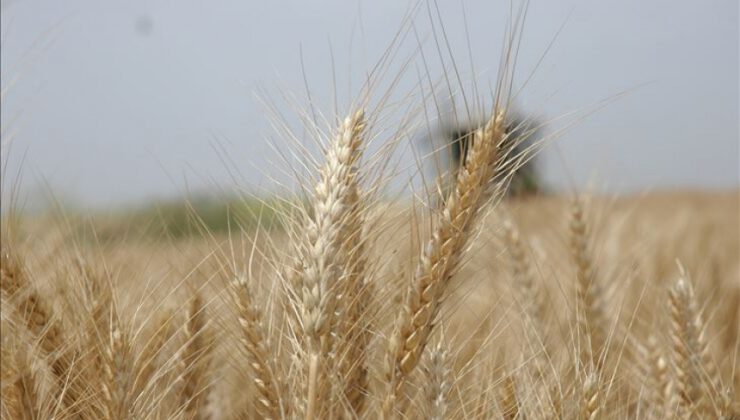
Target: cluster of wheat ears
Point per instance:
(328, 318)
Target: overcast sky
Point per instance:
(114, 102)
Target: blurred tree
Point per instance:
(521, 133)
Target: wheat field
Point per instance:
(458, 301)
(544, 307)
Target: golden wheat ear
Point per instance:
(437, 383)
(323, 245)
(590, 404)
(440, 258)
(697, 390)
(35, 312)
(20, 384)
(530, 298)
(259, 351)
(117, 370)
(195, 359)
(590, 318)
(657, 376)
(146, 366)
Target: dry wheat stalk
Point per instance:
(440, 258)
(481, 405)
(555, 408)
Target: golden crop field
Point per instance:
(609, 308)
(458, 300)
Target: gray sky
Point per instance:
(120, 101)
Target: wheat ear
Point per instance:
(195, 359)
(657, 376)
(324, 261)
(117, 377)
(353, 328)
(440, 257)
(34, 311)
(530, 298)
(690, 353)
(521, 270)
(508, 400)
(259, 352)
(589, 296)
(99, 308)
(437, 383)
(145, 364)
(12, 394)
(590, 405)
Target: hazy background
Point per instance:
(118, 102)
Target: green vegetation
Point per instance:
(182, 218)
